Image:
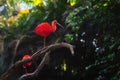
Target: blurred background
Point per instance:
(92, 26)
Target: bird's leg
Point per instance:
(44, 42)
(26, 72)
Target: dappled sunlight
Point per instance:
(10, 21)
(22, 12)
(64, 66)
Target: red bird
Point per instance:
(27, 64)
(44, 29)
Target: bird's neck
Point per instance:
(53, 27)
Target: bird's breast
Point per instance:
(43, 30)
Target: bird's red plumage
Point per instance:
(27, 64)
(43, 29)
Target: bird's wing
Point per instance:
(43, 29)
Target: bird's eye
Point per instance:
(55, 21)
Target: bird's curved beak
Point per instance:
(60, 25)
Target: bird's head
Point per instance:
(54, 22)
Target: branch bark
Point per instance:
(35, 56)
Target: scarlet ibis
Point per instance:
(44, 29)
(27, 64)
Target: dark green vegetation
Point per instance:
(93, 26)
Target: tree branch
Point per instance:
(36, 72)
(35, 56)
